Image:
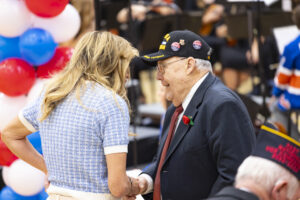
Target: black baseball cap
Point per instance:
(181, 43)
(279, 148)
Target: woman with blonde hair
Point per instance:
(83, 119)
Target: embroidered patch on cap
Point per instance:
(182, 42)
(197, 44)
(279, 148)
(286, 154)
(175, 46)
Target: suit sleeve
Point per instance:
(151, 171)
(231, 140)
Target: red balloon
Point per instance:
(6, 156)
(58, 62)
(46, 8)
(16, 77)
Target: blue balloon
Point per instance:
(37, 46)
(8, 194)
(35, 140)
(43, 195)
(9, 48)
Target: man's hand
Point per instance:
(139, 186)
(143, 184)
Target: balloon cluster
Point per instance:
(30, 31)
(23, 182)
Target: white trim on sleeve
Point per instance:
(116, 149)
(149, 181)
(25, 122)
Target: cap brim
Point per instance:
(154, 57)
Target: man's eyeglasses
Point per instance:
(161, 67)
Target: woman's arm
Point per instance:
(118, 182)
(14, 136)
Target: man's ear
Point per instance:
(190, 65)
(279, 190)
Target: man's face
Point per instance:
(171, 73)
(297, 194)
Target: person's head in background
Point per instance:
(296, 16)
(99, 57)
(273, 171)
(182, 59)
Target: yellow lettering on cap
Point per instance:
(167, 37)
(162, 47)
(154, 57)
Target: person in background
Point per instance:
(286, 90)
(271, 172)
(207, 131)
(140, 9)
(83, 119)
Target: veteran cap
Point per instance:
(182, 44)
(278, 147)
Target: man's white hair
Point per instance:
(203, 64)
(266, 174)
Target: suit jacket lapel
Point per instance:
(192, 111)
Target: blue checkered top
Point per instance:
(76, 136)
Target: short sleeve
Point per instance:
(30, 113)
(116, 127)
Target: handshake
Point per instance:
(138, 186)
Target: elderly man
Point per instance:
(207, 131)
(272, 172)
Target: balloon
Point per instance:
(36, 90)
(16, 77)
(46, 8)
(37, 46)
(6, 156)
(25, 179)
(10, 107)
(5, 171)
(43, 195)
(9, 47)
(35, 140)
(62, 27)
(15, 18)
(58, 62)
(8, 194)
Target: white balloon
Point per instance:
(10, 107)
(62, 27)
(15, 18)
(36, 90)
(5, 174)
(25, 179)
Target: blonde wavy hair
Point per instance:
(100, 57)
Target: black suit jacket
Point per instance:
(231, 193)
(204, 157)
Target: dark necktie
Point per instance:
(156, 193)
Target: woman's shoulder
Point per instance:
(103, 95)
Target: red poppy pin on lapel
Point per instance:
(187, 120)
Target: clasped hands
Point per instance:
(138, 186)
